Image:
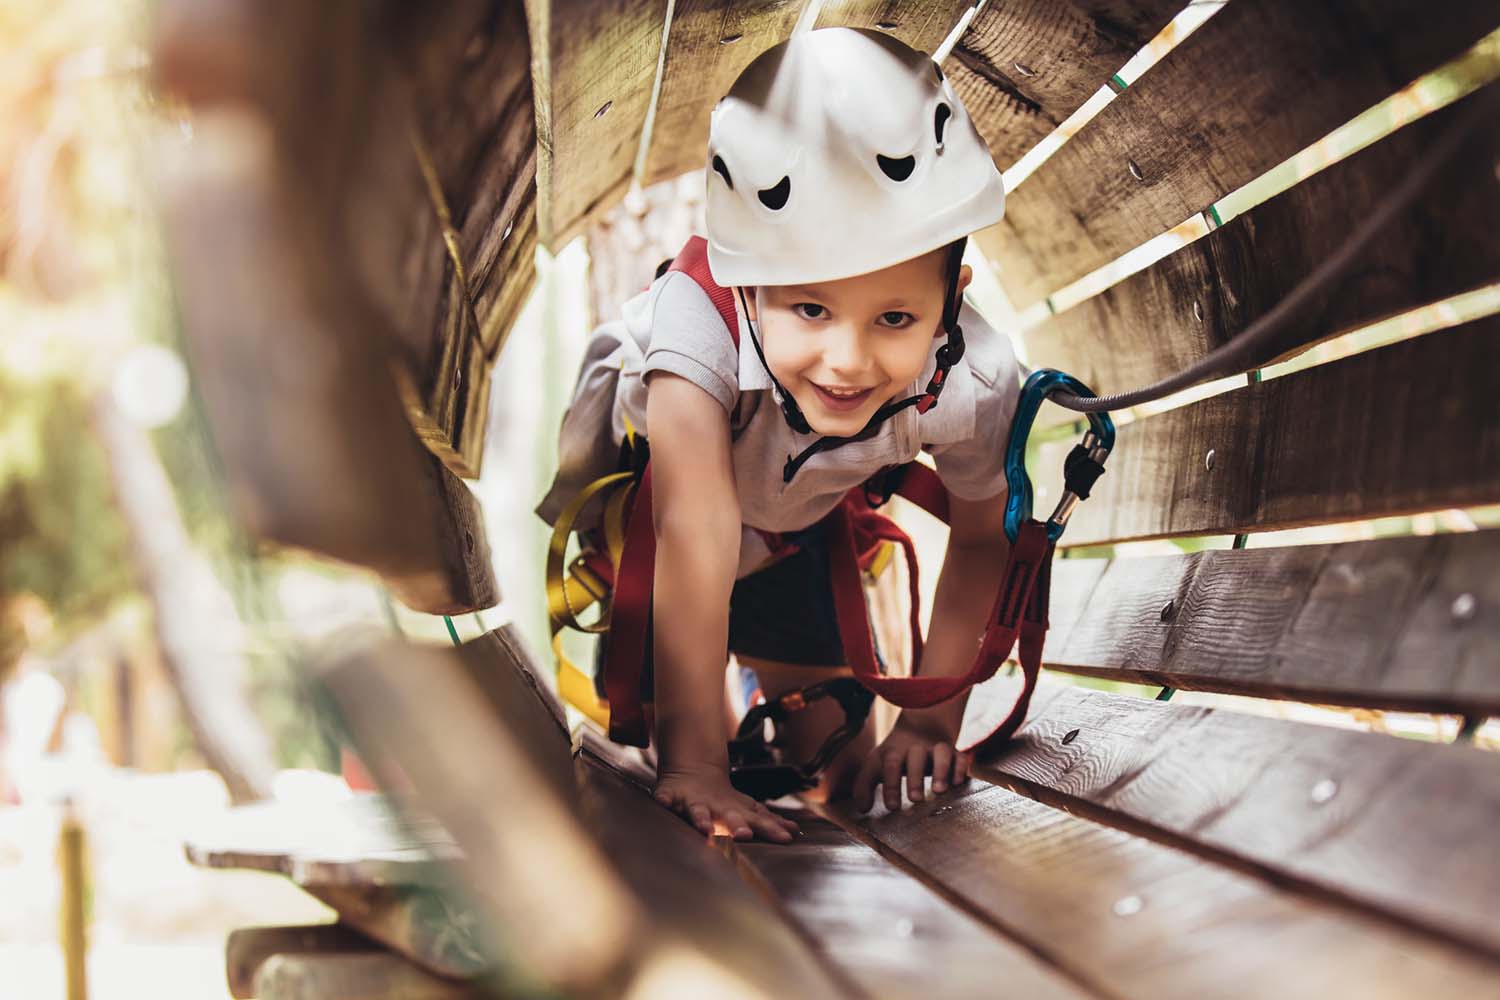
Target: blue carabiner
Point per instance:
(1100, 441)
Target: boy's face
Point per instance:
(845, 348)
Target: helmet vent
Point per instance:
(940, 120)
(896, 169)
(723, 171)
(775, 198)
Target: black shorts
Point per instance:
(784, 612)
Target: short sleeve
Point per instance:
(688, 338)
(974, 468)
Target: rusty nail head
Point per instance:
(1070, 736)
(1464, 607)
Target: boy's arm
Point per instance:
(923, 738)
(697, 520)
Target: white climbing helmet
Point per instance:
(839, 152)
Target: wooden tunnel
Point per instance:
(352, 229)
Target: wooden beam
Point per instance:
(361, 976)
(1137, 920)
(1022, 67)
(1375, 822)
(691, 890)
(1166, 317)
(1404, 428)
(709, 43)
(1398, 623)
(1256, 83)
(593, 66)
(886, 930)
(922, 26)
(250, 947)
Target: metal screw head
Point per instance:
(1208, 460)
(1465, 605)
(1168, 610)
(1324, 790)
(1070, 736)
(1128, 906)
(1024, 69)
(1135, 171)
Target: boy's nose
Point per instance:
(844, 351)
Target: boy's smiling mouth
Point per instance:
(842, 398)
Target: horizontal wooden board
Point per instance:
(1398, 623)
(248, 948)
(709, 43)
(890, 933)
(1166, 317)
(365, 976)
(593, 66)
(1138, 919)
(1409, 427)
(923, 26)
(691, 889)
(1382, 823)
(1256, 83)
(1022, 67)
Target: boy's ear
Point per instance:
(965, 275)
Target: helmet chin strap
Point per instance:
(947, 357)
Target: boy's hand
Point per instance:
(913, 748)
(705, 798)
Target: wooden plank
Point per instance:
(922, 26)
(361, 976)
(249, 947)
(1408, 427)
(1256, 83)
(1398, 623)
(1137, 919)
(708, 44)
(887, 931)
(548, 898)
(428, 925)
(593, 66)
(1373, 821)
(1022, 67)
(691, 889)
(1166, 317)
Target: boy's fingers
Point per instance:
(739, 827)
(891, 780)
(770, 828)
(942, 764)
(961, 768)
(864, 782)
(916, 768)
(701, 817)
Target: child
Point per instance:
(844, 177)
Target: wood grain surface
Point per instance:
(249, 947)
(709, 43)
(593, 66)
(1393, 826)
(1256, 83)
(1022, 67)
(1166, 317)
(358, 976)
(923, 26)
(1137, 919)
(1409, 427)
(1396, 623)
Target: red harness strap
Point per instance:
(856, 532)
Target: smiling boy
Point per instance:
(844, 178)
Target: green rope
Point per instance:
(452, 632)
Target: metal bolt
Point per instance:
(1128, 906)
(1024, 69)
(1464, 607)
(730, 39)
(1135, 171)
(1324, 790)
(905, 928)
(1070, 736)
(1208, 460)
(1198, 311)
(603, 109)
(1168, 610)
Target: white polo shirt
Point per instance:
(674, 327)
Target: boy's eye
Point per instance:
(809, 310)
(896, 318)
